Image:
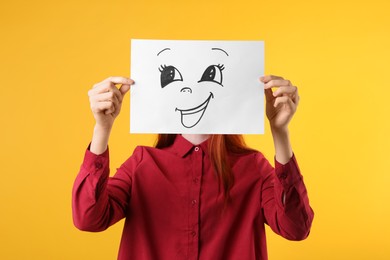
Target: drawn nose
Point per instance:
(186, 89)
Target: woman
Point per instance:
(193, 196)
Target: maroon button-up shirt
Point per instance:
(174, 208)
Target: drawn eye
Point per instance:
(213, 73)
(169, 74)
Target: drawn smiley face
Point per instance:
(213, 73)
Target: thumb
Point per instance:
(124, 89)
(268, 94)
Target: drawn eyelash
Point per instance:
(221, 66)
(213, 73)
(162, 67)
(169, 74)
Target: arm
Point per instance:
(98, 201)
(284, 200)
(284, 196)
(281, 106)
(106, 102)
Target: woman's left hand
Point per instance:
(281, 103)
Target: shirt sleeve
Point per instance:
(285, 202)
(99, 201)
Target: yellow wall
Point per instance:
(337, 52)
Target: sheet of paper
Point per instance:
(198, 87)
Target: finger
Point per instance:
(119, 80)
(111, 110)
(268, 95)
(290, 90)
(292, 105)
(108, 97)
(101, 87)
(116, 106)
(124, 89)
(277, 83)
(105, 91)
(281, 101)
(101, 106)
(296, 98)
(117, 93)
(107, 85)
(288, 102)
(267, 78)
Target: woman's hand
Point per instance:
(282, 103)
(106, 102)
(106, 99)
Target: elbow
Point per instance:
(299, 236)
(88, 226)
(86, 217)
(85, 221)
(294, 233)
(81, 224)
(299, 232)
(82, 227)
(303, 231)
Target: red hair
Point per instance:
(219, 148)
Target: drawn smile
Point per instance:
(191, 117)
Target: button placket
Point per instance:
(194, 203)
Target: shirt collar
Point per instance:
(182, 146)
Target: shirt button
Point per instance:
(98, 165)
(195, 180)
(193, 233)
(196, 149)
(193, 202)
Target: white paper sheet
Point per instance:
(199, 87)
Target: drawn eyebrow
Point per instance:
(163, 50)
(219, 49)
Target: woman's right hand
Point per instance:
(106, 100)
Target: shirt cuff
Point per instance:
(95, 162)
(289, 173)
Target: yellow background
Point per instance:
(336, 52)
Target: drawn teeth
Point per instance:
(194, 111)
(191, 117)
